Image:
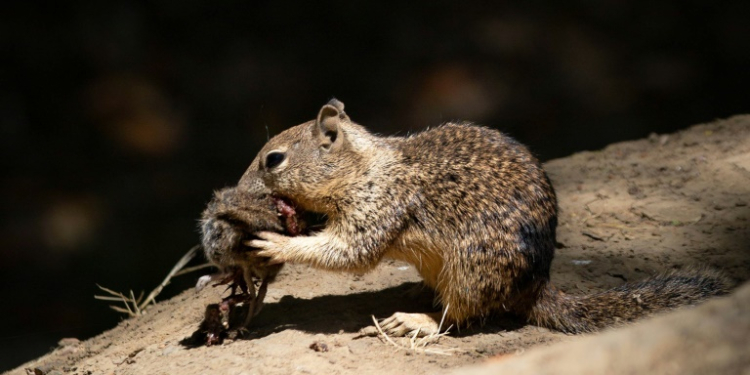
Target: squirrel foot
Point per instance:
(402, 324)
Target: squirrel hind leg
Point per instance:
(403, 324)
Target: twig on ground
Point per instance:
(137, 306)
(420, 346)
(193, 269)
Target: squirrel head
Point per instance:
(311, 163)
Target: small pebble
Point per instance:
(319, 346)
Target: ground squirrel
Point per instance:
(468, 206)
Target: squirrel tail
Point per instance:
(577, 314)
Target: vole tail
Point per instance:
(576, 314)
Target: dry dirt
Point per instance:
(627, 211)
(710, 339)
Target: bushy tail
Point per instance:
(575, 314)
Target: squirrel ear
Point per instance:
(328, 125)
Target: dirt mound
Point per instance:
(711, 339)
(627, 211)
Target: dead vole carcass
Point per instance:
(231, 218)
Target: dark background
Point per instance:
(118, 119)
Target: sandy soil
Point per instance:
(713, 338)
(627, 211)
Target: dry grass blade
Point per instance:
(177, 267)
(135, 303)
(120, 309)
(131, 305)
(192, 269)
(137, 306)
(420, 345)
(118, 296)
(377, 325)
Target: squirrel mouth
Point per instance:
(297, 221)
(290, 214)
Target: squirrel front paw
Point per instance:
(272, 245)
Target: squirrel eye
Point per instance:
(273, 159)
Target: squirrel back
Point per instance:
(469, 207)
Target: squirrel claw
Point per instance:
(258, 244)
(271, 237)
(266, 240)
(270, 245)
(402, 324)
(267, 249)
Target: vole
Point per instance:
(233, 215)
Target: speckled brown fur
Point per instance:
(469, 207)
(232, 216)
